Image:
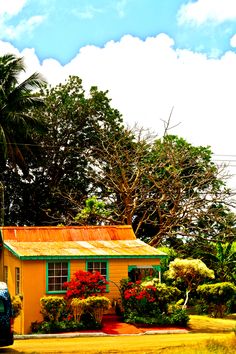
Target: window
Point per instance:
(57, 275)
(100, 267)
(5, 274)
(17, 280)
(141, 272)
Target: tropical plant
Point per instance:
(222, 260)
(18, 99)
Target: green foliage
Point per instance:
(216, 296)
(190, 271)
(52, 307)
(97, 305)
(164, 187)
(78, 307)
(93, 212)
(72, 313)
(17, 101)
(88, 322)
(177, 318)
(149, 302)
(223, 260)
(171, 255)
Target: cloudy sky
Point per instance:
(151, 55)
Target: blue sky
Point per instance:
(151, 55)
(58, 29)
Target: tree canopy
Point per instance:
(170, 191)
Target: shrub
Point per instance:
(97, 305)
(84, 284)
(216, 296)
(148, 302)
(87, 321)
(52, 307)
(78, 307)
(179, 317)
(16, 305)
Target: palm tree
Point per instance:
(18, 99)
(223, 261)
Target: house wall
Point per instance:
(12, 262)
(33, 283)
(118, 269)
(1, 266)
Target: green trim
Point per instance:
(58, 258)
(155, 267)
(68, 278)
(131, 267)
(11, 250)
(107, 268)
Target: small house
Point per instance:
(36, 261)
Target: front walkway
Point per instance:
(113, 325)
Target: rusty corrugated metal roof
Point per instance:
(76, 242)
(81, 249)
(67, 233)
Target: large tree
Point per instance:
(18, 99)
(63, 182)
(166, 188)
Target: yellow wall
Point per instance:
(118, 269)
(33, 283)
(12, 262)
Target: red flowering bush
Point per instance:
(84, 284)
(138, 298)
(144, 300)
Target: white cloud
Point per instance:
(233, 41)
(23, 27)
(147, 78)
(87, 13)
(202, 11)
(120, 7)
(9, 8)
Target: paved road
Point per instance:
(110, 344)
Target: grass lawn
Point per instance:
(208, 336)
(207, 324)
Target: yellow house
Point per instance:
(36, 261)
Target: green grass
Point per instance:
(210, 346)
(205, 324)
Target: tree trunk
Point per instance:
(186, 299)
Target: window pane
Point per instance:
(57, 275)
(100, 267)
